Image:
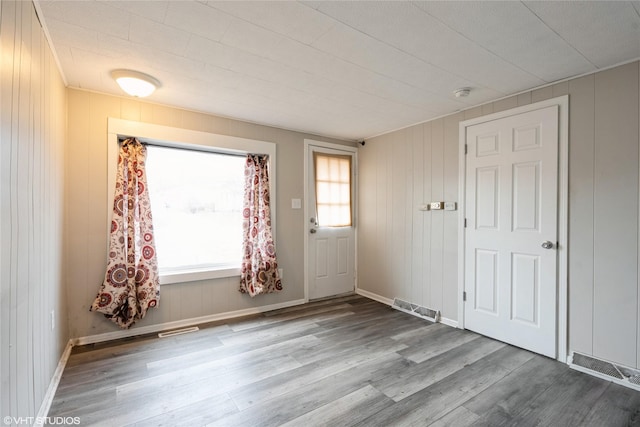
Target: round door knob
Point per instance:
(313, 231)
(547, 245)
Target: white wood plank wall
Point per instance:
(32, 156)
(404, 169)
(615, 199)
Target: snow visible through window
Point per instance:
(196, 201)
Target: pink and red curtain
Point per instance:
(259, 266)
(132, 283)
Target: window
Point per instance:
(333, 189)
(179, 265)
(196, 201)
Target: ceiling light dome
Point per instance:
(135, 83)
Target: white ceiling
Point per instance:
(348, 69)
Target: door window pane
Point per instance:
(333, 189)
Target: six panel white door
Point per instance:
(511, 213)
(331, 252)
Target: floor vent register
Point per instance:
(628, 377)
(416, 310)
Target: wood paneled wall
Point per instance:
(87, 224)
(413, 255)
(33, 322)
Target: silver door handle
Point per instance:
(547, 245)
(313, 231)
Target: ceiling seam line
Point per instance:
(566, 79)
(484, 86)
(452, 72)
(477, 44)
(556, 33)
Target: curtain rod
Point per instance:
(190, 147)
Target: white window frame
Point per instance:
(186, 139)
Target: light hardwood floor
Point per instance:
(343, 362)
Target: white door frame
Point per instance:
(563, 206)
(307, 215)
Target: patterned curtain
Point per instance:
(132, 283)
(259, 266)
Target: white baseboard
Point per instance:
(449, 322)
(387, 301)
(55, 380)
(374, 297)
(43, 412)
(109, 336)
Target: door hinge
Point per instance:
(465, 223)
(464, 296)
(466, 148)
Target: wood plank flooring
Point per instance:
(344, 362)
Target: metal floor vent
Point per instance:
(416, 310)
(620, 374)
(178, 332)
(597, 365)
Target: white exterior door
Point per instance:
(331, 247)
(511, 229)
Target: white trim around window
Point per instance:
(190, 139)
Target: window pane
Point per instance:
(324, 213)
(345, 215)
(345, 194)
(333, 189)
(324, 191)
(345, 171)
(334, 198)
(322, 169)
(196, 201)
(334, 169)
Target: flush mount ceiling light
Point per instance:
(135, 83)
(462, 92)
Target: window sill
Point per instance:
(195, 275)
